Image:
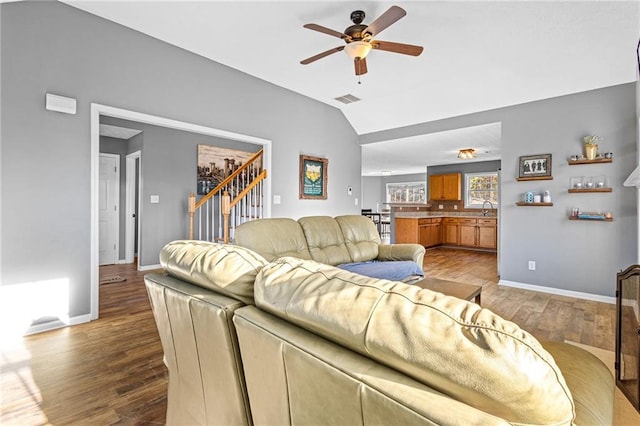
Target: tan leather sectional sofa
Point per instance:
(294, 341)
(351, 242)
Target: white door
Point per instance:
(108, 208)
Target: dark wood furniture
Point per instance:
(627, 364)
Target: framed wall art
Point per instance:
(215, 163)
(535, 167)
(313, 178)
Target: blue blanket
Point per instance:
(396, 270)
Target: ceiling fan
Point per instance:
(358, 38)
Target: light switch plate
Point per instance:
(154, 199)
(276, 199)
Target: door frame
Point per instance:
(96, 111)
(130, 203)
(117, 203)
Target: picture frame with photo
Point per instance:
(535, 167)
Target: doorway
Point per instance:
(97, 111)
(132, 202)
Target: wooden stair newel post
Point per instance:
(226, 211)
(192, 210)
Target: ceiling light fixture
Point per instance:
(357, 49)
(467, 154)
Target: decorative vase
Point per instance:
(591, 151)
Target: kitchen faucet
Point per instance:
(484, 210)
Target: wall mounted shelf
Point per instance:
(579, 191)
(596, 161)
(521, 179)
(592, 220)
(522, 203)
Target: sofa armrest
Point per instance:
(413, 252)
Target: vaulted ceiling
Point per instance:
(478, 55)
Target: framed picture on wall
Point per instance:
(216, 163)
(535, 167)
(313, 178)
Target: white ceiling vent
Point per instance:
(347, 99)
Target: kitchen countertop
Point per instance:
(423, 215)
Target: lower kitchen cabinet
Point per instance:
(450, 231)
(488, 233)
(454, 231)
(430, 232)
(468, 232)
(426, 232)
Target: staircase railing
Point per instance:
(235, 200)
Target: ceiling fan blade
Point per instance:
(322, 55)
(361, 66)
(393, 14)
(326, 30)
(389, 46)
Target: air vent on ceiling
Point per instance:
(347, 99)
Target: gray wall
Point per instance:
(371, 190)
(580, 256)
(49, 47)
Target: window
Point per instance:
(406, 192)
(480, 187)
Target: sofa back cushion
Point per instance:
(226, 269)
(273, 238)
(452, 345)
(360, 236)
(325, 240)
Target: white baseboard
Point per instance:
(59, 323)
(149, 267)
(559, 291)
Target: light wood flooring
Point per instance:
(110, 371)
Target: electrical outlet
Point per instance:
(356, 201)
(455, 207)
(440, 206)
(532, 265)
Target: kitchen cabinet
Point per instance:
(454, 231)
(450, 231)
(468, 232)
(445, 187)
(478, 233)
(430, 232)
(424, 231)
(488, 233)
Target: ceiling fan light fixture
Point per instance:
(467, 154)
(358, 49)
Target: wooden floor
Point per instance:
(110, 371)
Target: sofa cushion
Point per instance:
(224, 268)
(399, 270)
(360, 236)
(452, 345)
(325, 240)
(273, 238)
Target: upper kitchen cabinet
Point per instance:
(445, 187)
